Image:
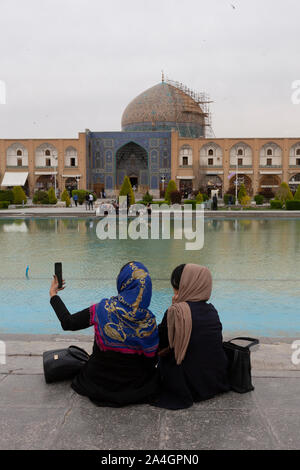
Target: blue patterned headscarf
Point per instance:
(124, 323)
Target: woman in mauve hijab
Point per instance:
(192, 362)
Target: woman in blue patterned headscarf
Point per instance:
(123, 323)
(122, 367)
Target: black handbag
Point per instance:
(239, 364)
(63, 364)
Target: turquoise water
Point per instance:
(255, 266)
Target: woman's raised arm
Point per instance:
(69, 322)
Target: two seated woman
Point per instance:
(172, 365)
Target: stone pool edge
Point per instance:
(272, 358)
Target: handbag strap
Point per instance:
(253, 341)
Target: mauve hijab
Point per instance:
(195, 285)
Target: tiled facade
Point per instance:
(105, 169)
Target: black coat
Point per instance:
(110, 378)
(203, 372)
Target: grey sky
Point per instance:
(70, 65)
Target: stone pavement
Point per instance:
(34, 415)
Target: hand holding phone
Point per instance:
(58, 282)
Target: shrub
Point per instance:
(293, 205)
(68, 201)
(40, 197)
(51, 196)
(7, 195)
(199, 198)
(126, 188)
(4, 204)
(19, 195)
(170, 188)
(259, 199)
(66, 198)
(242, 193)
(275, 204)
(147, 198)
(175, 197)
(284, 193)
(81, 193)
(245, 201)
(297, 194)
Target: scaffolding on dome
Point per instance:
(202, 99)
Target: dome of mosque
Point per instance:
(165, 107)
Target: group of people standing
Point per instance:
(89, 200)
(134, 360)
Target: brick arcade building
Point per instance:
(166, 133)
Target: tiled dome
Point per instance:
(164, 107)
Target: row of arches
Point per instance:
(211, 154)
(46, 155)
(268, 184)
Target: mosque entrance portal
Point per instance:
(132, 161)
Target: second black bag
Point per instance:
(63, 364)
(239, 364)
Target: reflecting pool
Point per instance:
(255, 266)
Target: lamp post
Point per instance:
(55, 167)
(163, 179)
(236, 181)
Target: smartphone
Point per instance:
(58, 273)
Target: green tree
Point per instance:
(242, 193)
(65, 197)
(170, 188)
(147, 198)
(52, 197)
(126, 188)
(199, 198)
(297, 194)
(19, 195)
(284, 193)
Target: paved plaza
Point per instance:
(35, 415)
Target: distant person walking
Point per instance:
(215, 203)
(91, 201)
(75, 199)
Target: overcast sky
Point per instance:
(69, 65)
